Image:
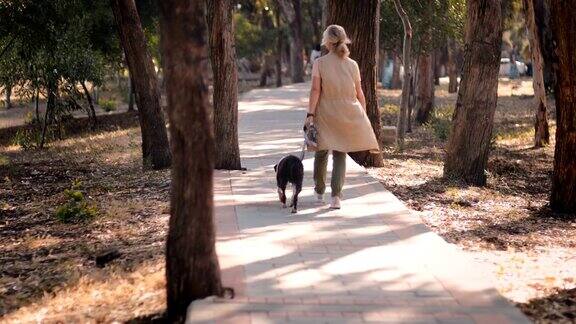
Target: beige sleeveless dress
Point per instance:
(340, 119)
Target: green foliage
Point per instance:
(30, 118)
(77, 208)
(432, 23)
(251, 40)
(50, 46)
(440, 122)
(107, 105)
(27, 138)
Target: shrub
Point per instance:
(440, 122)
(27, 138)
(77, 208)
(30, 119)
(107, 105)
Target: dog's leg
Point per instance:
(296, 189)
(282, 194)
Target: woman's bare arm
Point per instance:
(314, 95)
(360, 94)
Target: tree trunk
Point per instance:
(469, 142)
(541, 132)
(563, 198)
(451, 67)
(155, 146)
(192, 269)
(411, 96)
(37, 104)
(50, 104)
(225, 74)
(90, 104)
(403, 115)
(266, 69)
(324, 9)
(396, 83)
(547, 46)
(8, 102)
(437, 58)
(292, 12)
(315, 11)
(424, 87)
(361, 22)
(131, 95)
(279, 46)
(513, 73)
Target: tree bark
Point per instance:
(424, 87)
(292, 12)
(90, 104)
(451, 67)
(547, 46)
(48, 115)
(563, 198)
(225, 74)
(279, 46)
(361, 22)
(324, 9)
(155, 147)
(37, 104)
(404, 115)
(437, 57)
(396, 83)
(266, 69)
(411, 96)
(469, 142)
(541, 132)
(8, 102)
(192, 269)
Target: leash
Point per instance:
(303, 153)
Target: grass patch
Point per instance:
(440, 122)
(77, 209)
(108, 105)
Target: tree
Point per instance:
(472, 123)
(396, 83)
(192, 269)
(279, 45)
(155, 147)
(292, 12)
(451, 66)
(424, 87)
(361, 22)
(406, 57)
(541, 132)
(563, 198)
(425, 70)
(225, 75)
(47, 56)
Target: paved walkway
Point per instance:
(371, 261)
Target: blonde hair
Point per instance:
(335, 40)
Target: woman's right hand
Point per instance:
(309, 120)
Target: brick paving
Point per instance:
(370, 262)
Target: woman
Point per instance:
(337, 108)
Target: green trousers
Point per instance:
(338, 172)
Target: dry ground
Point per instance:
(47, 269)
(508, 223)
(48, 272)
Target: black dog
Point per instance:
(289, 170)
